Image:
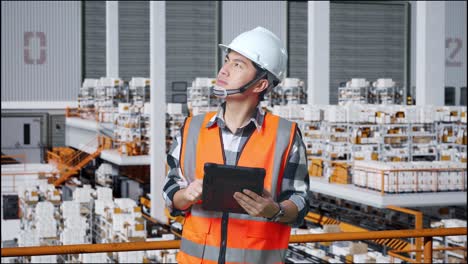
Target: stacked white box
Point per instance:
(87, 93)
(103, 208)
(130, 256)
(403, 177)
(46, 224)
(361, 258)
(281, 110)
(132, 229)
(29, 193)
(199, 94)
(139, 91)
(340, 248)
(44, 259)
(124, 108)
(384, 259)
(120, 221)
(451, 223)
(28, 238)
(83, 195)
(147, 109)
(104, 194)
(173, 108)
(46, 227)
(359, 178)
(336, 114)
(448, 113)
(353, 112)
(125, 204)
(463, 114)
(77, 217)
(426, 114)
(52, 194)
(70, 209)
(94, 258)
(104, 174)
(313, 113)
(72, 236)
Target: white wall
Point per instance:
(41, 52)
(240, 16)
(455, 39)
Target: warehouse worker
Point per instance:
(241, 133)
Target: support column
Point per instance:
(430, 52)
(318, 55)
(158, 107)
(112, 39)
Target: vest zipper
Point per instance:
(225, 217)
(222, 247)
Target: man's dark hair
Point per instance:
(272, 80)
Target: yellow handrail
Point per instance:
(69, 162)
(175, 244)
(418, 222)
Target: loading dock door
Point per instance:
(22, 136)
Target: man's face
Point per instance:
(237, 71)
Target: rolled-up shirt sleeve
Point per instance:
(174, 179)
(295, 183)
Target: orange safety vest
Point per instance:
(249, 239)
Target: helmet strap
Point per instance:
(223, 93)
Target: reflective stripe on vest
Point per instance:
(189, 145)
(267, 148)
(233, 255)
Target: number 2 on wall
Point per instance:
(453, 47)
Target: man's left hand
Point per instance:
(256, 205)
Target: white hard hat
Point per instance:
(262, 47)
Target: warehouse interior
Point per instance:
(94, 92)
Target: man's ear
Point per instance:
(261, 86)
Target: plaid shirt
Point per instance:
(293, 189)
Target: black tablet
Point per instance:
(220, 182)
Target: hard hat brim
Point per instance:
(225, 48)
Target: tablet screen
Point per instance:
(220, 182)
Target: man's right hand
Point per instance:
(193, 192)
(184, 198)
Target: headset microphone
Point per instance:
(223, 93)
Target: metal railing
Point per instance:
(20, 171)
(427, 249)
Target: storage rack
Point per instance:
(139, 91)
(423, 142)
(86, 98)
(355, 95)
(337, 150)
(127, 132)
(109, 93)
(200, 95)
(358, 91)
(291, 91)
(145, 130)
(447, 143)
(365, 143)
(355, 91)
(388, 95)
(395, 145)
